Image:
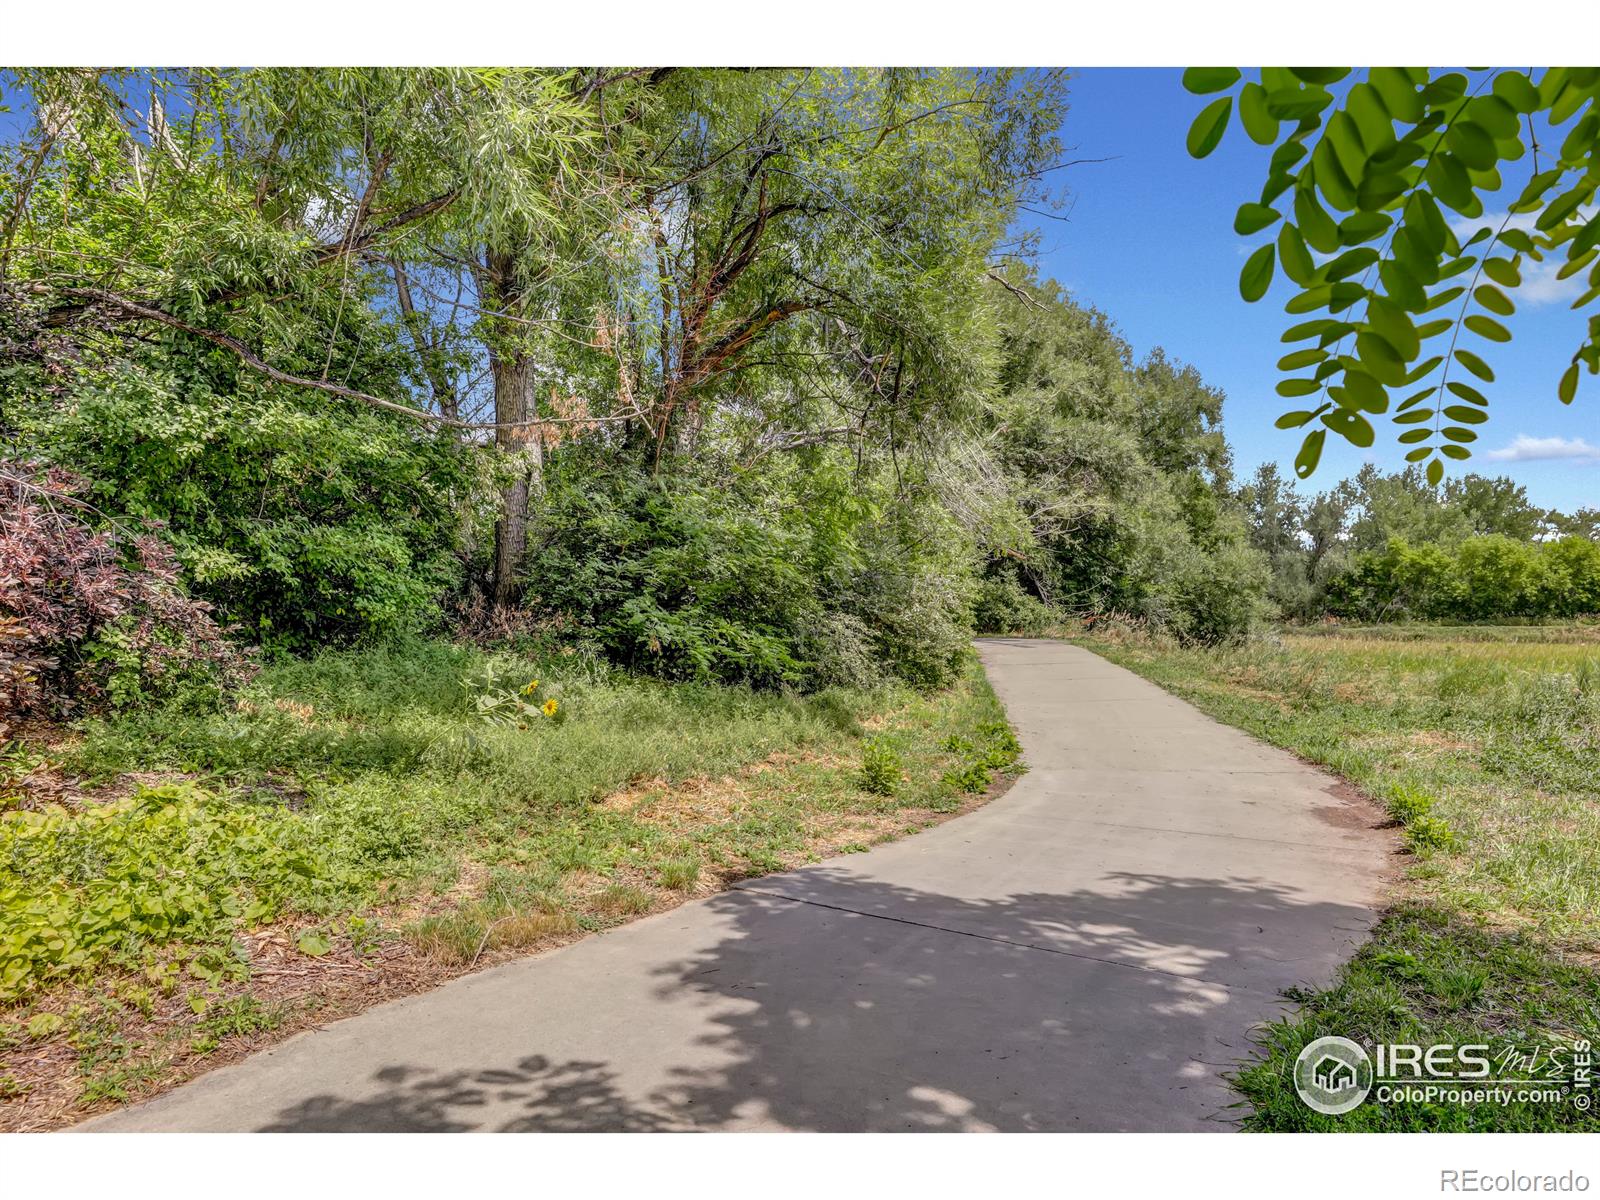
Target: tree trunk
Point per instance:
(512, 370)
(513, 401)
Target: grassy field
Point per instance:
(184, 884)
(1568, 634)
(1483, 743)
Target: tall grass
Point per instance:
(407, 713)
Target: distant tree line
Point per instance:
(1390, 546)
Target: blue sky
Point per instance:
(1149, 240)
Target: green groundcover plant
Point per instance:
(122, 880)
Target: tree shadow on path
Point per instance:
(852, 1004)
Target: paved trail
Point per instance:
(1087, 953)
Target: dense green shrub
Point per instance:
(303, 520)
(1571, 581)
(839, 650)
(674, 582)
(687, 580)
(1003, 605)
(1222, 593)
(1480, 578)
(911, 587)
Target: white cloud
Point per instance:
(1465, 227)
(1539, 282)
(1531, 449)
(1540, 285)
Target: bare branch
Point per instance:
(354, 243)
(133, 309)
(1027, 298)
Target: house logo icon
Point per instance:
(1333, 1075)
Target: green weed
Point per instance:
(881, 767)
(1408, 804)
(971, 777)
(1000, 746)
(679, 874)
(1425, 834)
(85, 886)
(239, 1016)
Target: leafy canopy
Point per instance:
(1398, 314)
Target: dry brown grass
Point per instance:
(621, 900)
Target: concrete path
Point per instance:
(1087, 953)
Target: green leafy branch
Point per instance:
(1358, 187)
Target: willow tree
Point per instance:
(191, 316)
(802, 234)
(272, 212)
(510, 167)
(504, 256)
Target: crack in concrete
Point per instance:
(1110, 962)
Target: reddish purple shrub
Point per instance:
(88, 614)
